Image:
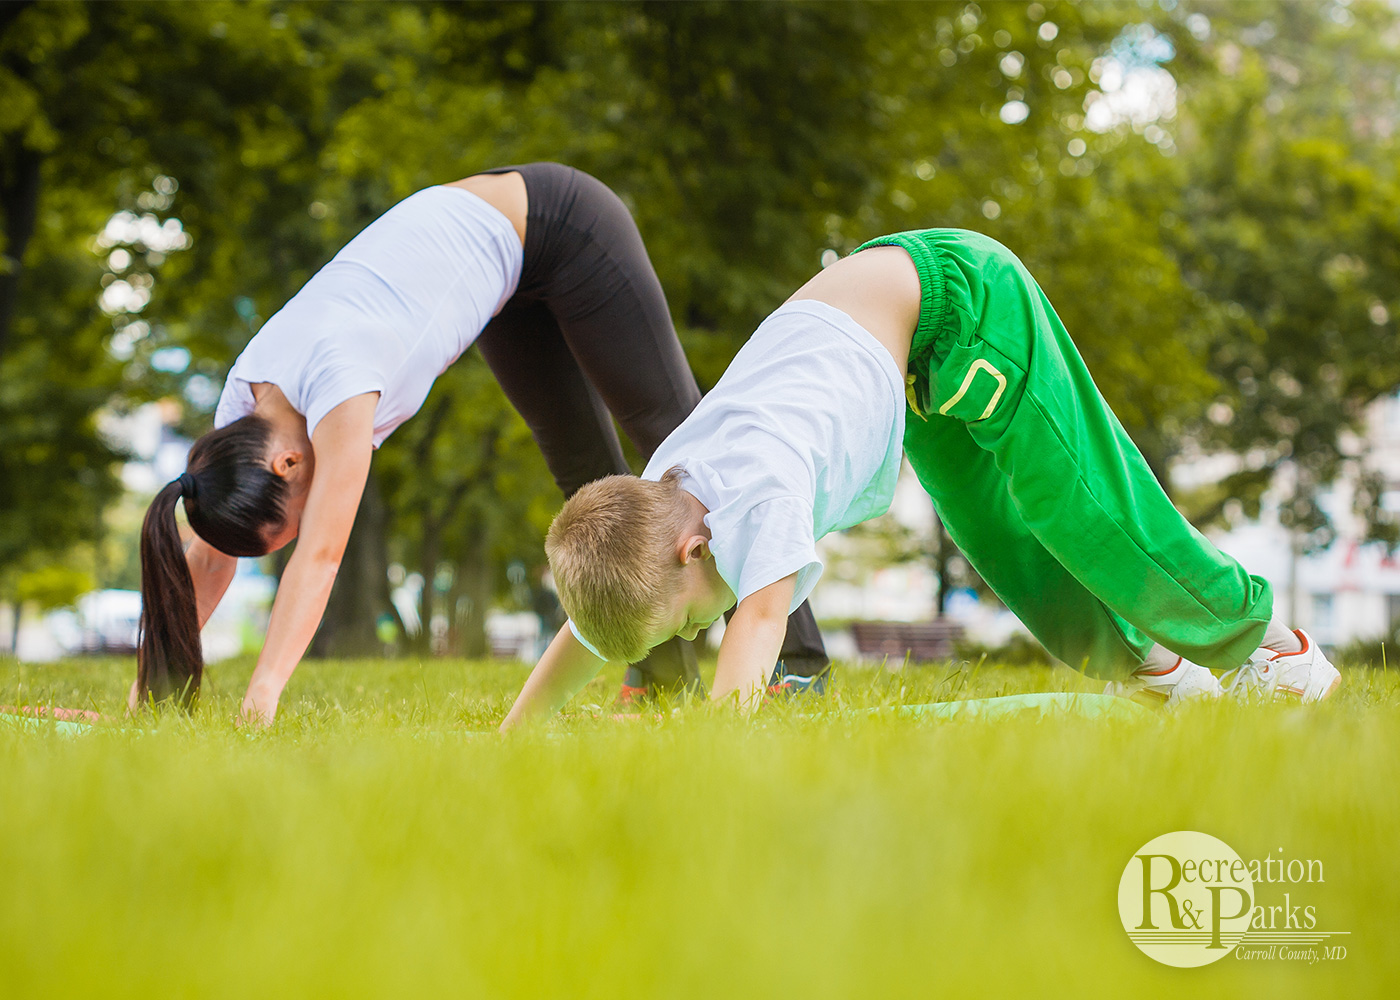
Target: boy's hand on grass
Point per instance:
(565, 668)
(751, 645)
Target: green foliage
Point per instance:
(1290, 211)
(52, 586)
(1080, 208)
(468, 489)
(55, 470)
(1230, 273)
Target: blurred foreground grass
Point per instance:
(379, 842)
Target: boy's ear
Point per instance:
(693, 548)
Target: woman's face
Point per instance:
(291, 525)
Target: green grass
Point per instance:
(376, 843)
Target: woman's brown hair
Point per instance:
(232, 500)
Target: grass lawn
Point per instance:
(379, 842)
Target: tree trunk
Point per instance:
(476, 577)
(19, 201)
(361, 591)
(941, 544)
(428, 558)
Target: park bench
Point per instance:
(916, 641)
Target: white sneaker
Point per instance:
(1168, 689)
(1306, 675)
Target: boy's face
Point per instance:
(702, 598)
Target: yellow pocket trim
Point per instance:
(979, 365)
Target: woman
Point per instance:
(544, 267)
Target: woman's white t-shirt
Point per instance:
(388, 314)
(803, 435)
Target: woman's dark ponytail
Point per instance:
(170, 660)
(233, 500)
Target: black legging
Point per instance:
(586, 337)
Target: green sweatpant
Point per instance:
(1039, 485)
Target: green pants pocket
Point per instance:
(975, 383)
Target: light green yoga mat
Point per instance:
(1101, 706)
(38, 724)
(1090, 706)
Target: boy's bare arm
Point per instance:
(752, 641)
(566, 666)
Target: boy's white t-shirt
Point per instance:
(388, 314)
(802, 436)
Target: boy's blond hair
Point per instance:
(612, 550)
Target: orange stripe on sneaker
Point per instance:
(1301, 638)
(1158, 673)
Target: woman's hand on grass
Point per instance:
(342, 446)
(259, 705)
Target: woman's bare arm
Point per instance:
(343, 449)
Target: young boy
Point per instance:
(1031, 473)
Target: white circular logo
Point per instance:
(1185, 899)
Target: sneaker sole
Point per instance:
(1335, 683)
(1151, 699)
(1303, 696)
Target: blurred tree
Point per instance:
(469, 493)
(56, 471)
(1205, 250)
(989, 131)
(45, 586)
(1290, 234)
(988, 128)
(759, 121)
(602, 80)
